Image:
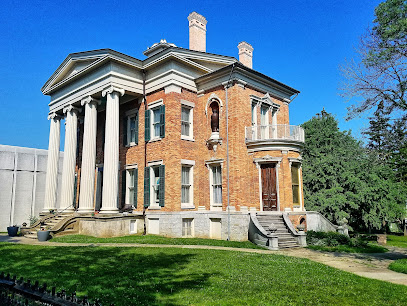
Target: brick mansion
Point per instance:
(183, 143)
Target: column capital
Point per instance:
(70, 108)
(53, 116)
(112, 89)
(89, 100)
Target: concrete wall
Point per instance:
(22, 184)
(169, 224)
(317, 222)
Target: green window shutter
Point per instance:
(161, 187)
(135, 187)
(136, 133)
(123, 188)
(146, 186)
(147, 125)
(162, 121)
(125, 119)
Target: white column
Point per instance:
(111, 160)
(52, 163)
(87, 182)
(68, 170)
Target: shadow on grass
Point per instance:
(114, 275)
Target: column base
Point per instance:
(109, 211)
(85, 210)
(69, 210)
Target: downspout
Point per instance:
(227, 146)
(145, 146)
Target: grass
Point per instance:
(397, 241)
(370, 248)
(153, 239)
(399, 265)
(172, 276)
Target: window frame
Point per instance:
(188, 164)
(131, 168)
(211, 164)
(134, 113)
(190, 228)
(297, 166)
(154, 196)
(190, 106)
(160, 107)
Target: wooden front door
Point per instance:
(269, 187)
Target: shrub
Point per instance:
(326, 238)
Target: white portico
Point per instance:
(76, 89)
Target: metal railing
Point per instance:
(275, 132)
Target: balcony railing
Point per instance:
(274, 132)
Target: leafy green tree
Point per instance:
(342, 180)
(379, 75)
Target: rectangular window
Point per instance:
(130, 128)
(132, 133)
(130, 186)
(156, 185)
(264, 129)
(156, 122)
(217, 184)
(295, 172)
(254, 114)
(185, 184)
(187, 227)
(185, 121)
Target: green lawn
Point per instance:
(153, 239)
(397, 241)
(399, 265)
(172, 276)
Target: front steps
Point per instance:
(275, 231)
(285, 238)
(50, 222)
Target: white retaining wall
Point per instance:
(22, 184)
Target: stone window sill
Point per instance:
(183, 137)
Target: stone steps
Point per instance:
(285, 238)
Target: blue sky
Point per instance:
(298, 42)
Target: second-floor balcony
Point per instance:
(269, 137)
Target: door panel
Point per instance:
(269, 187)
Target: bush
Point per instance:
(327, 238)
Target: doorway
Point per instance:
(269, 186)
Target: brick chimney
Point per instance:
(246, 54)
(197, 32)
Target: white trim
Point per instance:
(154, 104)
(299, 162)
(190, 106)
(187, 103)
(211, 165)
(214, 161)
(190, 164)
(211, 99)
(153, 163)
(130, 114)
(131, 166)
(268, 160)
(187, 162)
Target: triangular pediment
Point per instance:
(76, 63)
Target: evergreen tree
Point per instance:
(342, 180)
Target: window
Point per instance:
(185, 121)
(155, 121)
(129, 186)
(254, 114)
(130, 129)
(295, 173)
(187, 126)
(187, 227)
(264, 122)
(217, 184)
(154, 184)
